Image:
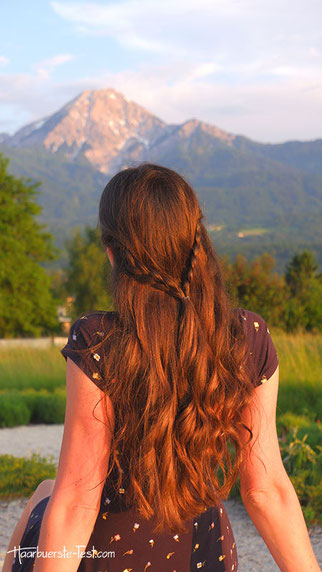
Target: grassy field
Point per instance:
(300, 358)
(252, 231)
(32, 390)
(31, 368)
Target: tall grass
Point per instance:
(300, 357)
(31, 368)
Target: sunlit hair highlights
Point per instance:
(174, 351)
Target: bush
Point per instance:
(304, 467)
(30, 406)
(305, 426)
(13, 410)
(48, 409)
(20, 476)
(300, 398)
(45, 407)
(302, 457)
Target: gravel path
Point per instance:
(24, 440)
(46, 440)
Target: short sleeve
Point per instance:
(83, 334)
(263, 357)
(266, 353)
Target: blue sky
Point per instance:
(251, 67)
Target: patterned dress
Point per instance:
(121, 540)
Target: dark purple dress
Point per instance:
(121, 540)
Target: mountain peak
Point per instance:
(192, 125)
(96, 124)
(103, 93)
(108, 129)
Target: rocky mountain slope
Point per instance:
(99, 125)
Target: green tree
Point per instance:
(300, 272)
(303, 309)
(89, 272)
(254, 286)
(27, 306)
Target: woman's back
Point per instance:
(208, 543)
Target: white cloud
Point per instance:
(4, 61)
(58, 60)
(299, 73)
(315, 53)
(115, 20)
(46, 67)
(237, 29)
(203, 70)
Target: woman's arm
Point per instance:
(267, 492)
(75, 501)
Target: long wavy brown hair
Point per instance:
(174, 352)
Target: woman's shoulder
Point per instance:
(262, 352)
(94, 321)
(91, 328)
(255, 326)
(89, 332)
(252, 321)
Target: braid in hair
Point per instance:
(141, 273)
(192, 261)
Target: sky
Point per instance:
(250, 67)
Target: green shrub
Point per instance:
(302, 398)
(45, 407)
(290, 420)
(30, 406)
(302, 461)
(49, 409)
(305, 426)
(304, 467)
(20, 476)
(13, 410)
